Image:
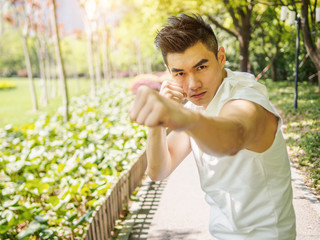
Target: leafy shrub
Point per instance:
(54, 174)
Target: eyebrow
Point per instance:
(176, 70)
(202, 61)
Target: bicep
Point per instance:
(179, 147)
(251, 116)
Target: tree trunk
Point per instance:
(97, 60)
(273, 69)
(47, 68)
(53, 73)
(309, 42)
(29, 72)
(105, 58)
(241, 18)
(40, 54)
(62, 73)
(318, 81)
(90, 64)
(244, 52)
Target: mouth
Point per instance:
(198, 95)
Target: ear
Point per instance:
(221, 57)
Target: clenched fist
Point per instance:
(172, 90)
(153, 109)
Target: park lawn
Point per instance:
(16, 103)
(301, 127)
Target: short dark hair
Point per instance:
(183, 32)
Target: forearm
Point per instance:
(216, 135)
(158, 155)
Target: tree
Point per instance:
(310, 29)
(244, 19)
(311, 41)
(62, 73)
(268, 39)
(21, 13)
(41, 45)
(88, 8)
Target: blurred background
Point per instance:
(105, 39)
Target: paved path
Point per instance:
(175, 209)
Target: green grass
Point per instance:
(16, 103)
(301, 126)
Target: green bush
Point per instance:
(54, 174)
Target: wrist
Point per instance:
(192, 120)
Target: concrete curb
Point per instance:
(297, 178)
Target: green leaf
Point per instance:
(85, 217)
(32, 228)
(8, 215)
(54, 200)
(4, 226)
(91, 202)
(106, 171)
(71, 216)
(103, 189)
(42, 219)
(46, 234)
(12, 202)
(61, 166)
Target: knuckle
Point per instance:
(143, 89)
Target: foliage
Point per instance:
(302, 126)
(75, 56)
(54, 174)
(131, 38)
(11, 53)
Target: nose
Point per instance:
(193, 83)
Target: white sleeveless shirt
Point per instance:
(250, 194)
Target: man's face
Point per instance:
(199, 72)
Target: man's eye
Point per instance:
(180, 74)
(201, 67)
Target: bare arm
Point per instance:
(164, 153)
(241, 124)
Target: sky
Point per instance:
(69, 14)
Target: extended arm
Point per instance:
(241, 124)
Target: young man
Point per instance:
(229, 124)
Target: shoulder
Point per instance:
(243, 86)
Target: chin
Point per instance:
(199, 104)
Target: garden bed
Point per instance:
(55, 175)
